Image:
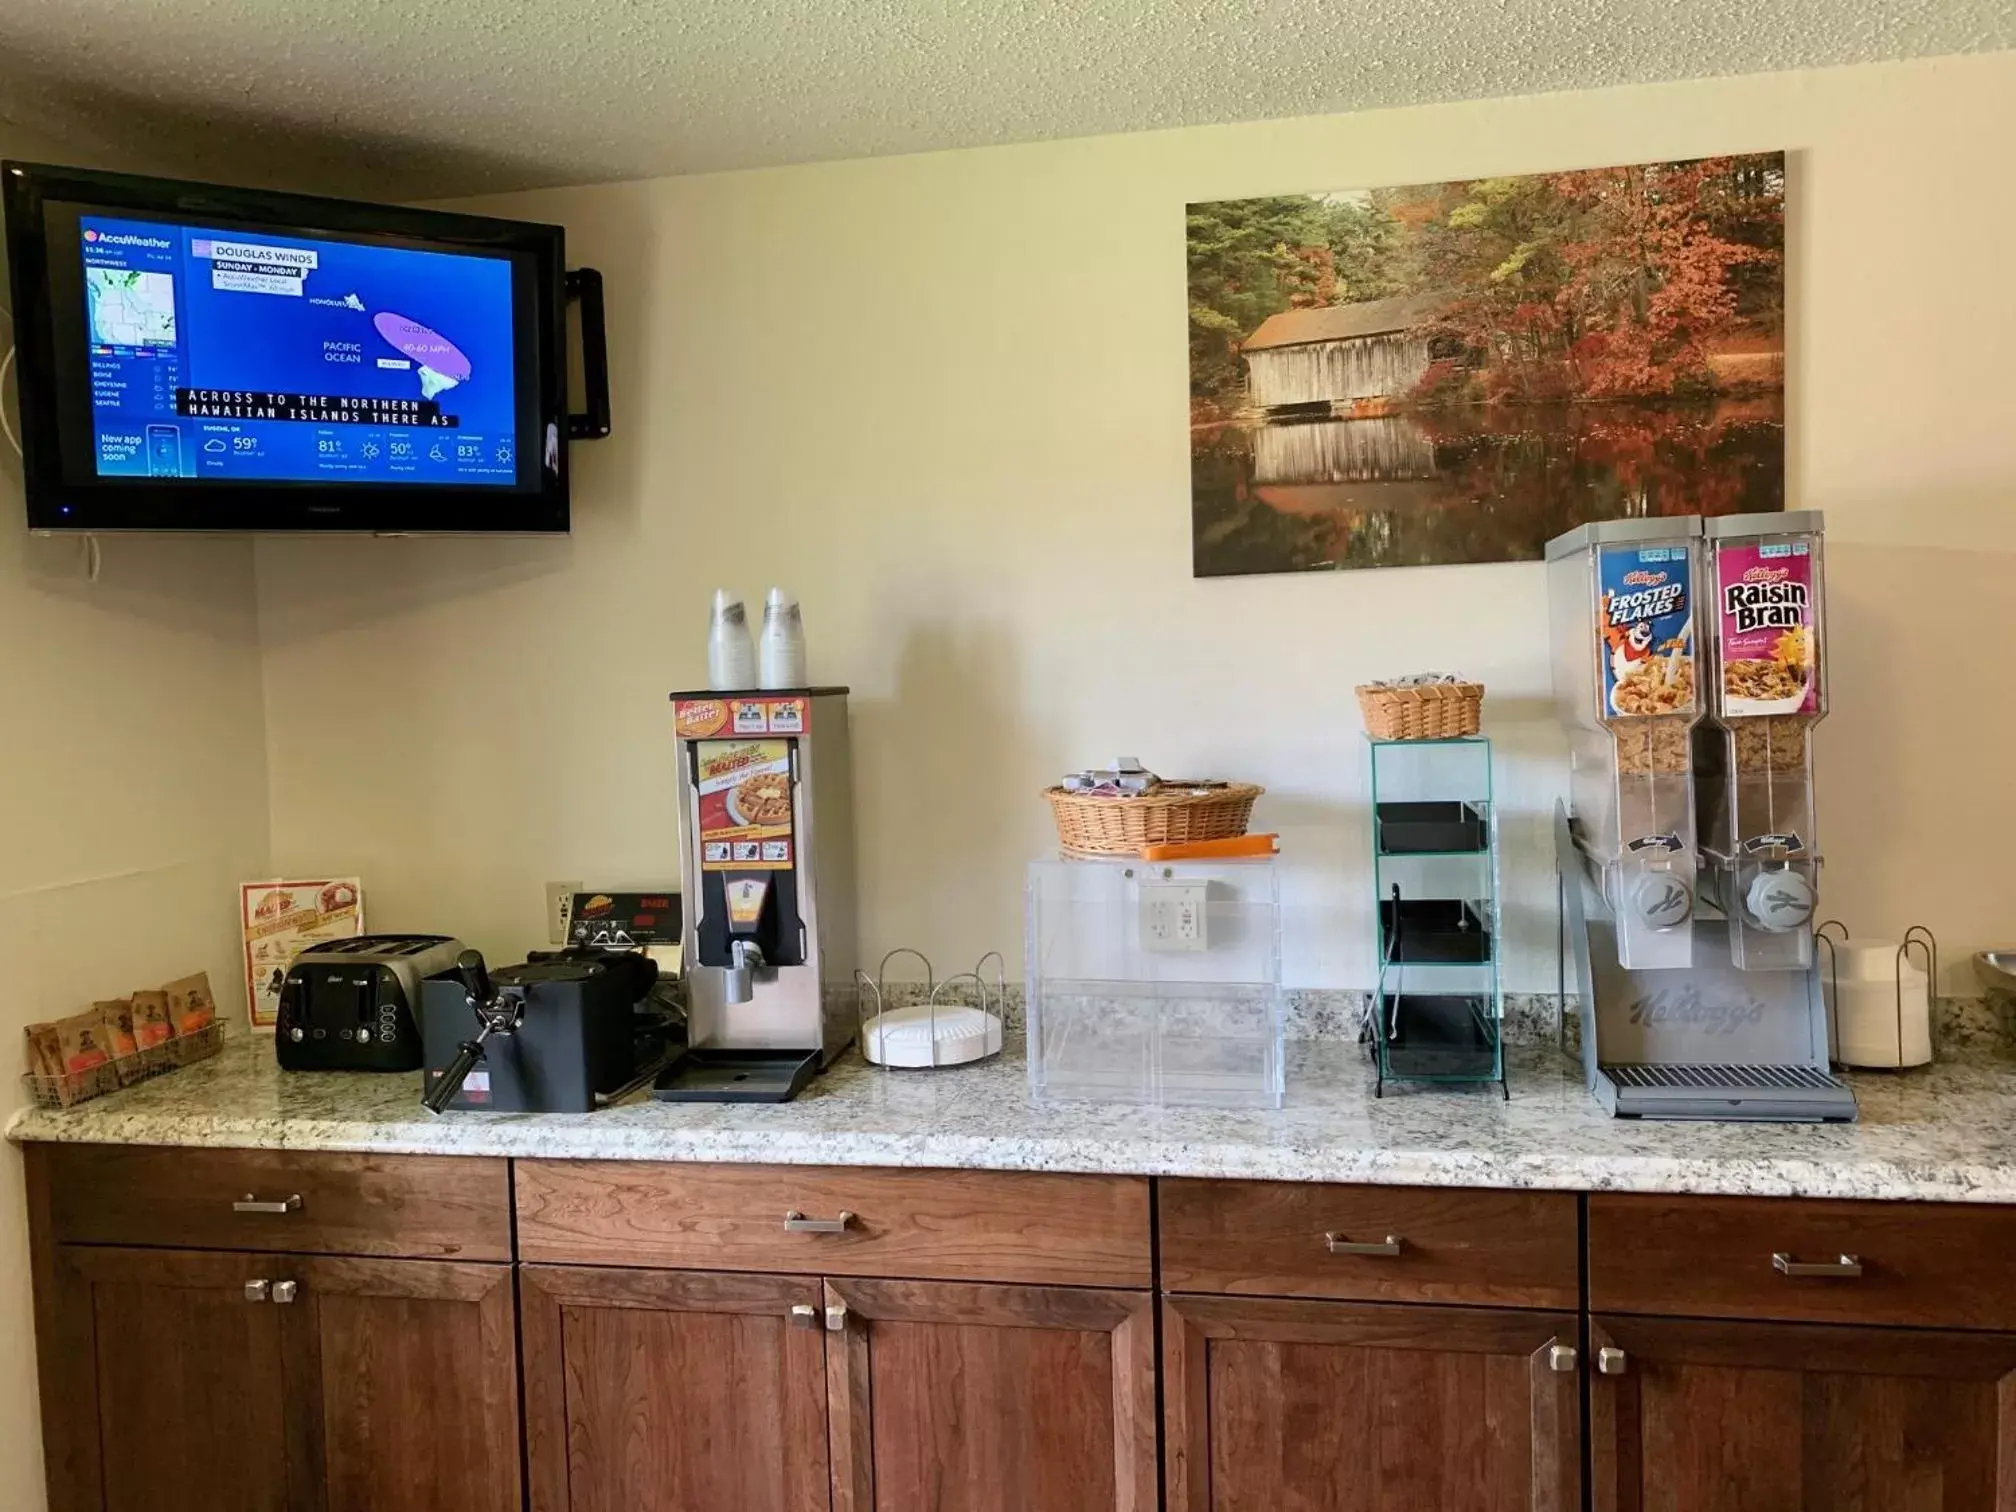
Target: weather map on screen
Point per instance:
(250, 356)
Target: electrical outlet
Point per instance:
(1173, 915)
(560, 909)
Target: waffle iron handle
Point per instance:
(437, 1097)
(494, 1017)
(475, 977)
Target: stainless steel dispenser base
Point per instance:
(1707, 1042)
(1748, 1094)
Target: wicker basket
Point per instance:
(1092, 824)
(1423, 711)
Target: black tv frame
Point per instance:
(56, 503)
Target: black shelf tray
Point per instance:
(1430, 829)
(1439, 1036)
(1432, 932)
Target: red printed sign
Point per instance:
(745, 805)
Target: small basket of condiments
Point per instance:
(122, 1041)
(1427, 706)
(1123, 809)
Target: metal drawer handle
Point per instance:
(256, 1291)
(1337, 1244)
(284, 1291)
(251, 1204)
(804, 1315)
(796, 1222)
(1846, 1268)
(1610, 1360)
(1562, 1358)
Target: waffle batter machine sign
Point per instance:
(745, 805)
(1770, 652)
(1646, 620)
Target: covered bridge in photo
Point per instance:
(1376, 349)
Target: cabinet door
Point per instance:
(1793, 1417)
(184, 1377)
(948, 1397)
(1349, 1407)
(673, 1391)
(406, 1372)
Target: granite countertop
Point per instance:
(1947, 1133)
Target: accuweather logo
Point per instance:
(112, 239)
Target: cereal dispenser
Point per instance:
(1688, 672)
(1621, 597)
(1754, 761)
(767, 871)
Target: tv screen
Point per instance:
(200, 358)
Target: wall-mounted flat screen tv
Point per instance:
(201, 358)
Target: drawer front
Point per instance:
(415, 1206)
(1927, 1264)
(1373, 1244)
(931, 1225)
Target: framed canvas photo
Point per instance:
(1457, 372)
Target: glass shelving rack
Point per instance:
(1438, 1014)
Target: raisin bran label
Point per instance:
(1766, 629)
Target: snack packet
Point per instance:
(152, 1025)
(116, 1016)
(84, 1057)
(45, 1055)
(191, 1008)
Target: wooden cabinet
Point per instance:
(948, 1397)
(420, 1206)
(1371, 1244)
(181, 1382)
(684, 1391)
(674, 1391)
(230, 1381)
(406, 1373)
(1329, 1406)
(940, 1225)
(1782, 1417)
(918, 1341)
(1916, 1264)
(241, 1381)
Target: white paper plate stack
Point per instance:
(920, 1035)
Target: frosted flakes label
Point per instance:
(1766, 629)
(1647, 627)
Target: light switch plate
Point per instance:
(560, 910)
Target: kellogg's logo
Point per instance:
(1762, 574)
(1639, 577)
(1686, 1006)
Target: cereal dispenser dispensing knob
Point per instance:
(1779, 900)
(1662, 900)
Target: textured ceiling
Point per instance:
(418, 98)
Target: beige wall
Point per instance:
(132, 801)
(943, 398)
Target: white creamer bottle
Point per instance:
(731, 658)
(783, 650)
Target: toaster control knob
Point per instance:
(363, 1036)
(297, 1034)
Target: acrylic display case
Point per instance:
(1155, 983)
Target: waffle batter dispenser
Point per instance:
(1689, 671)
(767, 869)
